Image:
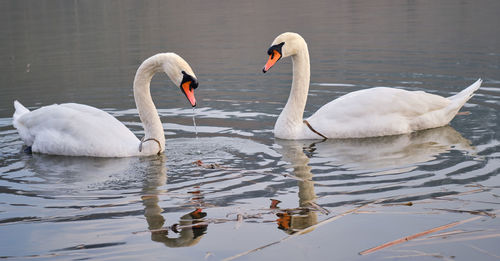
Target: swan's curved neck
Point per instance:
(153, 128)
(292, 114)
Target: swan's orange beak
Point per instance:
(273, 58)
(188, 90)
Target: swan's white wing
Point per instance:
(77, 130)
(380, 111)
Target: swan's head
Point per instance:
(286, 44)
(181, 74)
(188, 84)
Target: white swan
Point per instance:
(79, 130)
(366, 113)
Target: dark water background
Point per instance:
(64, 208)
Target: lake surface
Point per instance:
(292, 200)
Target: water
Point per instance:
(209, 196)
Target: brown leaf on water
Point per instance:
(200, 163)
(274, 203)
(464, 113)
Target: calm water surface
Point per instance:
(173, 207)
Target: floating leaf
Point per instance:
(274, 203)
(207, 166)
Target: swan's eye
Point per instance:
(275, 48)
(193, 83)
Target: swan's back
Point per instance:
(383, 101)
(381, 111)
(75, 130)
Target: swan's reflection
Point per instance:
(393, 152)
(390, 152)
(292, 220)
(65, 176)
(190, 233)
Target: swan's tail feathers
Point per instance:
(21, 129)
(463, 96)
(458, 100)
(20, 111)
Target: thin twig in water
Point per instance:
(408, 238)
(373, 212)
(418, 254)
(468, 200)
(409, 204)
(434, 241)
(319, 208)
(472, 212)
(483, 251)
(447, 234)
(465, 193)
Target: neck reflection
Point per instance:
(379, 156)
(190, 228)
(293, 220)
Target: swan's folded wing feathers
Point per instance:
(383, 101)
(76, 129)
(377, 112)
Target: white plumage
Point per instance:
(80, 130)
(371, 112)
